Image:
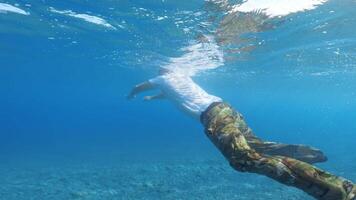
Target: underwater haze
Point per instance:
(67, 130)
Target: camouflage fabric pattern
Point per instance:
(228, 131)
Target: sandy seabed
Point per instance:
(181, 179)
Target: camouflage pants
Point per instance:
(228, 131)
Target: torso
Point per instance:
(183, 91)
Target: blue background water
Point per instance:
(68, 132)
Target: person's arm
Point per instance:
(158, 96)
(140, 88)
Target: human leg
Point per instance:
(225, 128)
(300, 152)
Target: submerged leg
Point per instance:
(225, 128)
(300, 152)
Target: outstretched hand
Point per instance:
(147, 98)
(139, 88)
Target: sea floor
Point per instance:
(167, 176)
(179, 179)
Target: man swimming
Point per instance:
(226, 128)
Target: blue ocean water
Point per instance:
(67, 130)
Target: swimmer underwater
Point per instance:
(225, 127)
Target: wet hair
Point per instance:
(163, 71)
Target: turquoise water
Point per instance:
(67, 130)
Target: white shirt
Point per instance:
(183, 91)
